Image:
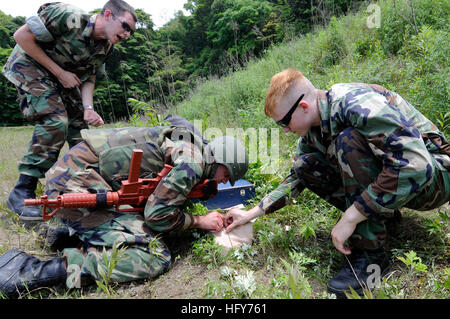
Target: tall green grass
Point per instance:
(408, 53)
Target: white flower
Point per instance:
(227, 272)
(246, 283)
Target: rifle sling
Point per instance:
(101, 198)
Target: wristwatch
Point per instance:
(88, 107)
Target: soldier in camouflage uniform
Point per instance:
(365, 150)
(99, 163)
(58, 54)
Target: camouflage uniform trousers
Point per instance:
(341, 176)
(144, 255)
(58, 116)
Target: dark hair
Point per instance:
(118, 8)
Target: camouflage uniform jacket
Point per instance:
(405, 142)
(171, 145)
(64, 32)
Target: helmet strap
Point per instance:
(213, 170)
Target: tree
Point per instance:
(9, 108)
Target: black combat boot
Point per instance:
(20, 272)
(24, 189)
(370, 266)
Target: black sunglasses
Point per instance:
(284, 122)
(125, 26)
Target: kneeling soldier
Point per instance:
(366, 151)
(101, 162)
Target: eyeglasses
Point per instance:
(125, 26)
(284, 122)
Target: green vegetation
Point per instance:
(345, 51)
(292, 255)
(162, 66)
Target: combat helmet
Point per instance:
(229, 151)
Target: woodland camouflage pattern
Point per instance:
(145, 255)
(372, 149)
(66, 37)
(101, 162)
(64, 33)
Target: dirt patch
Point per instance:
(11, 235)
(185, 280)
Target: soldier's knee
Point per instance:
(56, 126)
(305, 165)
(311, 167)
(162, 265)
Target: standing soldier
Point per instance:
(99, 163)
(365, 150)
(58, 54)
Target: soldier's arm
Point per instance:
(406, 163)
(289, 187)
(275, 200)
(28, 41)
(87, 91)
(87, 97)
(164, 209)
(279, 197)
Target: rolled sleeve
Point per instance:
(164, 209)
(39, 29)
(278, 198)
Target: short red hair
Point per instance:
(279, 86)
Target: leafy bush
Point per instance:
(403, 19)
(332, 48)
(426, 57)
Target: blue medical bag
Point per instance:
(229, 196)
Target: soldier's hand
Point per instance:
(68, 79)
(212, 221)
(340, 233)
(345, 228)
(236, 217)
(92, 118)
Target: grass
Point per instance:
(408, 54)
(291, 255)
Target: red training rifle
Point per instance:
(134, 191)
